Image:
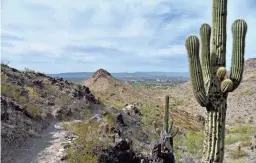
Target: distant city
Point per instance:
(150, 79)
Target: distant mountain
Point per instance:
(85, 75)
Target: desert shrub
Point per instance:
(242, 129)
(31, 92)
(250, 120)
(245, 143)
(240, 133)
(101, 100)
(86, 112)
(64, 100)
(236, 154)
(27, 70)
(116, 104)
(241, 160)
(191, 141)
(177, 102)
(4, 77)
(240, 121)
(4, 88)
(33, 109)
(149, 114)
(110, 118)
(14, 92)
(231, 139)
(88, 139)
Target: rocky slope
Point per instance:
(117, 93)
(241, 113)
(241, 102)
(35, 106)
(30, 101)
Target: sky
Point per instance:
(54, 36)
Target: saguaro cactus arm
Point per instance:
(239, 29)
(219, 21)
(205, 34)
(196, 75)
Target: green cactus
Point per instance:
(166, 114)
(208, 77)
(168, 131)
(163, 150)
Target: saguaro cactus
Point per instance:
(168, 131)
(163, 151)
(209, 82)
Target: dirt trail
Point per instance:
(47, 148)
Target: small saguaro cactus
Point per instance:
(168, 131)
(209, 82)
(165, 147)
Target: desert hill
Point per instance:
(31, 101)
(241, 102)
(118, 93)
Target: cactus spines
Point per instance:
(208, 77)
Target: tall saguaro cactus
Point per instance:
(209, 82)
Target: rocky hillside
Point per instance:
(118, 93)
(30, 101)
(36, 109)
(241, 113)
(241, 102)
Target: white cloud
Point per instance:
(152, 30)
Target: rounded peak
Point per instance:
(101, 72)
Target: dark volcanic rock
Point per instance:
(120, 153)
(119, 120)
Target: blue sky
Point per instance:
(55, 36)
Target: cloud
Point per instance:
(10, 37)
(129, 35)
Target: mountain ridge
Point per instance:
(122, 74)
